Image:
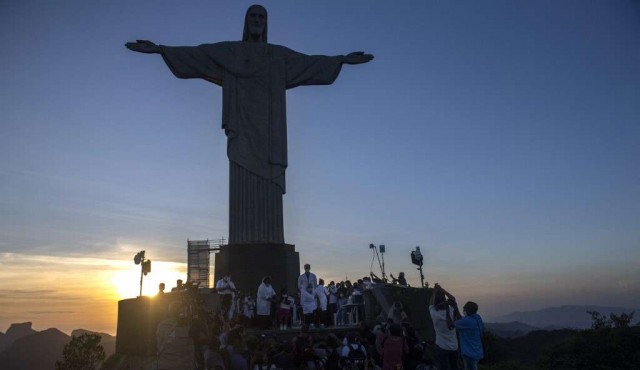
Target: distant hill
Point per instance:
(25, 348)
(15, 332)
(561, 317)
(510, 329)
(37, 351)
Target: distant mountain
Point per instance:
(15, 332)
(37, 351)
(562, 317)
(510, 329)
(25, 348)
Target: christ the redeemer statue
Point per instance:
(254, 76)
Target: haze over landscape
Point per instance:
(501, 137)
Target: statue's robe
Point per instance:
(254, 79)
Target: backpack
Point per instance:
(356, 355)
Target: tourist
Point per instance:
(332, 306)
(321, 292)
(401, 280)
(470, 328)
(284, 309)
(394, 349)
(161, 289)
(353, 352)
(248, 309)
(308, 302)
(396, 313)
(443, 311)
(343, 297)
(307, 279)
(178, 286)
(226, 290)
(367, 284)
(263, 303)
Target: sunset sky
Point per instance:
(502, 137)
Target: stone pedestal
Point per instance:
(249, 263)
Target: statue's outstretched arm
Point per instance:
(144, 46)
(357, 57)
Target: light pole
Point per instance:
(145, 266)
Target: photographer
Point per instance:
(444, 310)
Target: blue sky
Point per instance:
(500, 136)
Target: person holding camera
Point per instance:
(444, 310)
(471, 329)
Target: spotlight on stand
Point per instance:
(416, 259)
(382, 249)
(145, 266)
(139, 257)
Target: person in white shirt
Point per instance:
(248, 308)
(321, 292)
(308, 303)
(444, 310)
(307, 279)
(226, 289)
(263, 303)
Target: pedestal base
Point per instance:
(249, 263)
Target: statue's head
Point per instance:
(255, 24)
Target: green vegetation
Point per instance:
(611, 343)
(84, 352)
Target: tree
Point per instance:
(84, 352)
(600, 321)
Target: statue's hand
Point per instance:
(143, 46)
(357, 57)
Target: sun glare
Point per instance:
(126, 282)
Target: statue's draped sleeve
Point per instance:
(196, 61)
(304, 69)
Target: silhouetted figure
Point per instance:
(401, 280)
(179, 286)
(254, 76)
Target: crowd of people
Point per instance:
(314, 302)
(213, 343)
(217, 340)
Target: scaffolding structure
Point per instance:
(198, 260)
